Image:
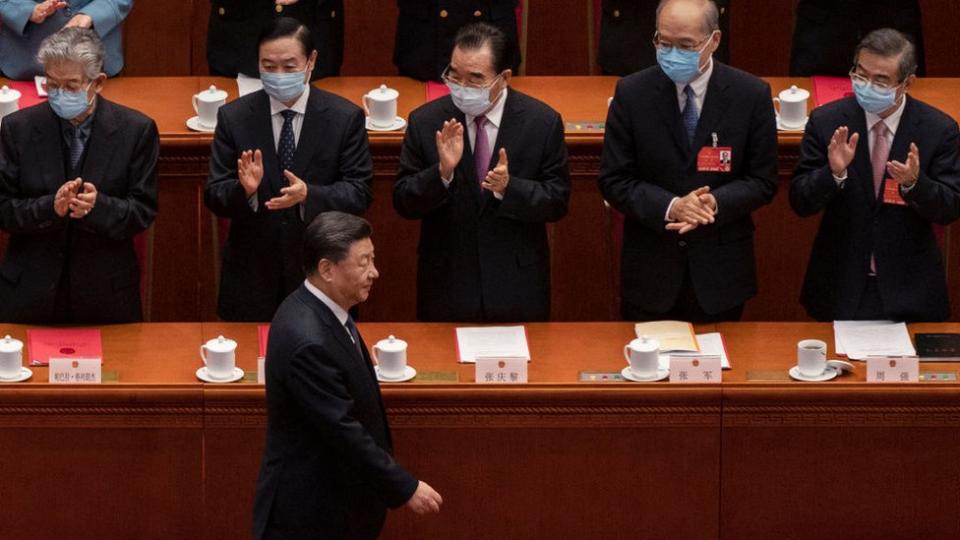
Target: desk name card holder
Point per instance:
(75, 371)
(695, 369)
(893, 369)
(501, 370)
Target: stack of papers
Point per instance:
(860, 339)
(671, 335)
(710, 345)
(492, 342)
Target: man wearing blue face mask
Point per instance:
(280, 157)
(883, 168)
(484, 169)
(690, 151)
(78, 180)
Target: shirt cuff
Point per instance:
(498, 196)
(840, 179)
(904, 189)
(666, 216)
(254, 202)
(447, 181)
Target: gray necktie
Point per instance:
(78, 141)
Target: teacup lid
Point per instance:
(794, 94)
(9, 344)
(645, 344)
(383, 94)
(221, 344)
(212, 94)
(8, 94)
(392, 344)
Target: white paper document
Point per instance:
(492, 341)
(41, 83)
(860, 339)
(710, 345)
(247, 85)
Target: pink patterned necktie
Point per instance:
(481, 149)
(878, 159)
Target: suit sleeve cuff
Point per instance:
(666, 215)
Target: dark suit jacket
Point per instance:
(626, 35)
(855, 223)
(235, 25)
(262, 256)
(481, 259)
(96, 251)
(327, 458)
(647, 161)
(826, 32)
(426, 28)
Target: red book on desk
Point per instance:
(827, 89)
(263, 331)
(436, 90)
(28, 93)
(45, 343)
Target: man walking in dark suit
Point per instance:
(78, 180)
(234, 25)
(426, 31)
(483, 201)
(690, 151)
(281, 156)
(328, 470)
(883, 168)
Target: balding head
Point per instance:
(702, 14)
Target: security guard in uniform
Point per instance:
(425, 31)
(235, 24)
(626, 35)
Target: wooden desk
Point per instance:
(160, 455)
(584, 256)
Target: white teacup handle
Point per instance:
(626, 353)
(776, 105)
(366, 108)
(373, 351)
(196, 107)
(202, 348)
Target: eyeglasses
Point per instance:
(71, 86)
(879, 85)
(448, 78)
(696, 47)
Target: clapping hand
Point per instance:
(450, 146)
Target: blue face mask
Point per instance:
(872, 99)
(471, 100)
(69, 105)
(680, 65)
(284, 86)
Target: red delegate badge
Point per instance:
(891, 193)
(714, 159)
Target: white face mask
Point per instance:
(471, 100)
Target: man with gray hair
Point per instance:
(883, 168)
(690, 151)
(78, 181)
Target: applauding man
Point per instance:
(690, 151)
(883, 168)
(280, 157)
(484, 169)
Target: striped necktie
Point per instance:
(691, 115)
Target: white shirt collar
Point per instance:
(340, 313)
(495, 114)
(892, 121)
(699, 85)
(300, 106)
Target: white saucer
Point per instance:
(782, 127)
(204, 376)
(194, 124)
(829, 373)
(408, 373)
(24, 374)
(398, 123)
(628, 375)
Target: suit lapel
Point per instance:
(313, 120)
(338, 330)
(465, 170)
(508, 136)
(102, 143)
(906, 134)
(861, 167)
(262, 123)
(715, 103)
(669, 108)
(48, 149)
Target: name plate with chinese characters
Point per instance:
(893, 369)
(75, 371)
(501, 370)
(695, 369)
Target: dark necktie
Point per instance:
(481, 149)
(78, 141)
(288, 144)
(690, 114)
(352, 328)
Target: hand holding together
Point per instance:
(44, 9)
(84, 202)
(65, 196)
(291, 195)
(906, 174)
(450, 146)
(80, 21)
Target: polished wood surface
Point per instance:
(159, 454)
(187, 237)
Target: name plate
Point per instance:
(261, 370)
(75, 371)
(695, 369)
(893, 369)
(501, 370)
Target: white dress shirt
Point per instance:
(276, 119)
(338, 311)
(892, 122)
(699, 87)
(491, 127)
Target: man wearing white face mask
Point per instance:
(280, 157)
(883, 168)
(484, 169)
(690, 151)
(78, 181)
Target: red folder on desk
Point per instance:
(436, 90)
(263, 331)
(827, 89)
(28, 93)
(45, 343)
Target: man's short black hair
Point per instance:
(329, 236)
(285, 27)
(889, 43)
(474, 36)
